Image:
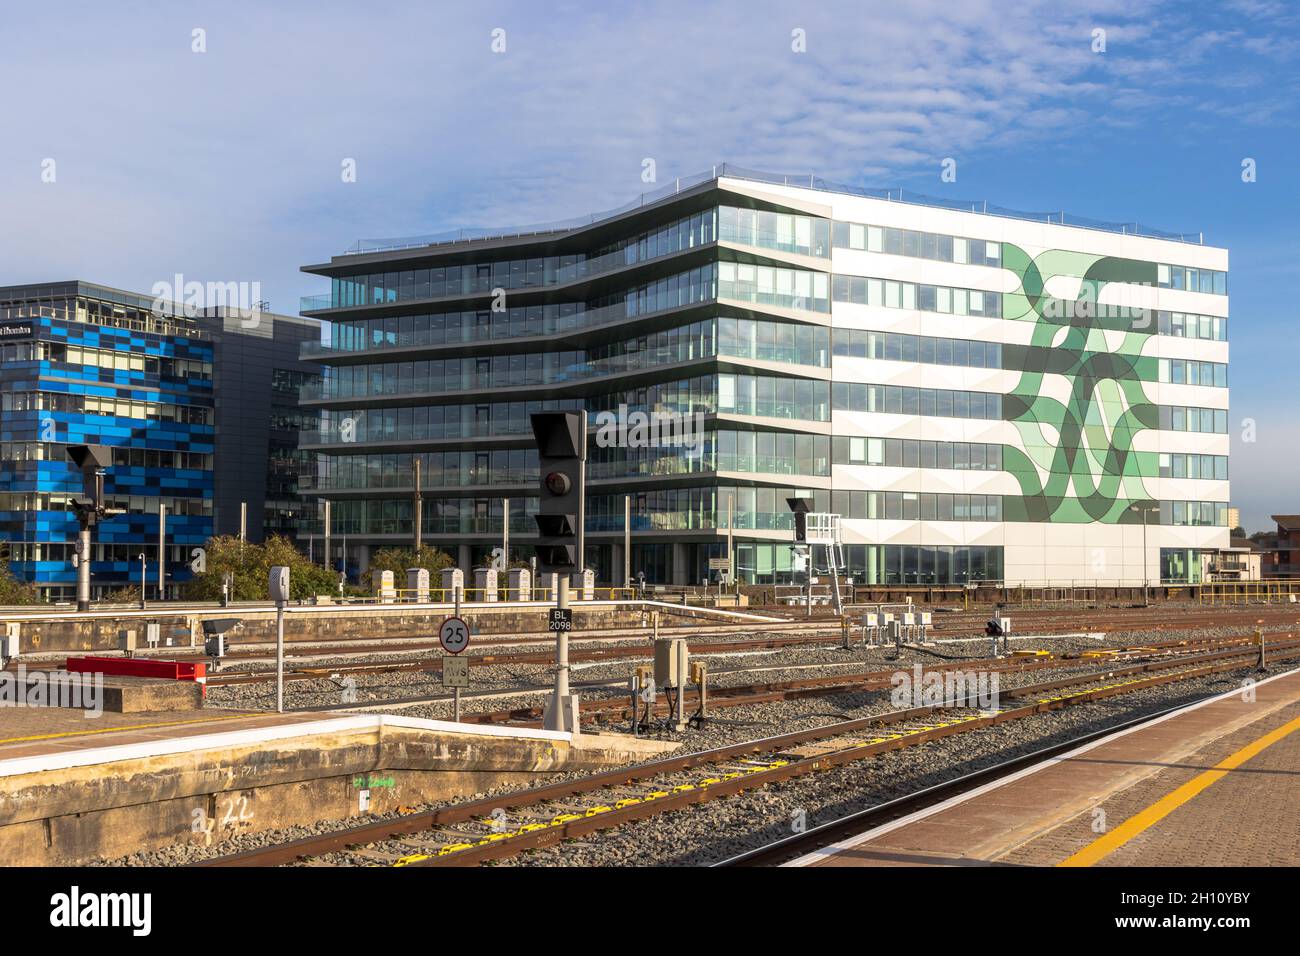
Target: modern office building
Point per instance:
(188, 405)
(257, 377)
(983, 395)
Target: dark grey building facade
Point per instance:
(256, 380)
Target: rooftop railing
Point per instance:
(805, 181)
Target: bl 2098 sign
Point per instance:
(561, 619)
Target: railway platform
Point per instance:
(75, 789)
(1213, 784)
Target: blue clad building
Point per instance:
(86, 364)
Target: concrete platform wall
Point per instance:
(98, 631)
(73, 807)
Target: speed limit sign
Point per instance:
(453, 635)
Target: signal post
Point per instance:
(562, 463)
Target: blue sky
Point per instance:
(226, 165)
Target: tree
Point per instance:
(13, 591)
(250, 566)
(398, 560)
(126, 594)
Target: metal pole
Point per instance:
(807, 581)
(1146, 557)
(561, 644)
(144, 580)
(505, 535)
(418, 502)
(731, 551)
(681, 689)
(627, 541)
(635, 685)
(326, 535)
(456, 694)
(279, 658)
(582, 501)
(162, 551)
(83, 567)
(243, 521)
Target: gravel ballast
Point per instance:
(720, 829)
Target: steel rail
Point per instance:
(382, 831)
(548, 836)
(798, 844)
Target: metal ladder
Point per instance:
(824, 532)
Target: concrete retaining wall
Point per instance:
(120, 800)
(98, 631)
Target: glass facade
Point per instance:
(86, 366)
(729, 312)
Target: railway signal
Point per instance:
(800, 553)
(93, 461)
(562, 462)
(800, 508)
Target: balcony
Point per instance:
(540, 273)
(314, 303)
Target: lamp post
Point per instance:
(144, 581)
(1146, 581)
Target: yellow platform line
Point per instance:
(1103, 846)
(109, 730)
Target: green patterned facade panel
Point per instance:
(1076, 462)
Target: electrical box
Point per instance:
(417, 585)
(670, 661)
(485, 584)
(584, 584)
(215, 646)
(9, 647)
(153, 634)
(699, 671)
(452, 578)
(519, 585)
(548, 586)
(126, 640)
(1005, 624)
(279, 584)
(909, 619)
(884, 619)
(926, 618)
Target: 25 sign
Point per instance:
(453, 635)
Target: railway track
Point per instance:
(618, 709)
(799, 844)
(477, 831)
(434, 663)
(824, 635)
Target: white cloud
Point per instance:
(226, 164)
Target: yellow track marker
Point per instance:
(1103, 846)
(109, 730)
